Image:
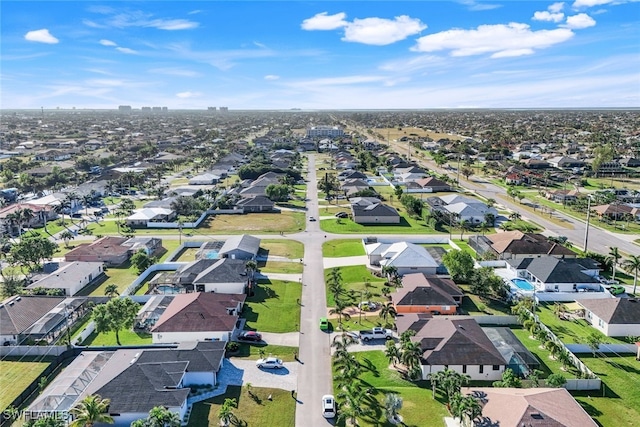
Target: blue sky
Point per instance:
(320, 55)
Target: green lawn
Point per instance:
(251, 351)
(418, 406)
(170, 247)
(354, 277)
(547, 364)
(407, 225)
(569, 331)
(285, 267)
(274, 307)
(291, 249)
(621, 406)
(127, 337)
(121, 276)
(472, 303)
(254, 412)
(343, 248)
(187, 255)
(15, 376)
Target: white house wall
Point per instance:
(473, 371)
(223, 288)
(615, 330)
(177, 337)
(196, 378)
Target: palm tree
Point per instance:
(437, 379)
(352, 408)
(470, 409)
(632, 265)
(339, 310)
(392, 352)
(515, 216)
(613, 257)
(410, 356)
(559, 309)
(111, 290)
(91, 410)
(25, 216)
(66, 235)
(452, 382)
(390, 271)
(387, 310)
(225, 413)
(464, 226)
(565, 359)
(392, 404)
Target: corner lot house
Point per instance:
(375, 214)
(614, 317)
(405, 257)
(134, 380)
(459, 344)
(240, 247)
(529, 407)
(198, 316)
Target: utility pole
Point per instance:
(586, 231)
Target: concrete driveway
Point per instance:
(236, 371)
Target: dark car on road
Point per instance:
(250, 336)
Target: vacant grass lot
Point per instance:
(621, 405)
(291, 249)
(354, 278)
(121, 276)
(274, 307)
(407, 225)
(258, 412)
(187, 255)
(343, 248)
(418, 406)
(285, 267)
(569, 331)
(285, 221)
(15, 376)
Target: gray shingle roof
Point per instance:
(19, 313)
(242, 242)
(617, 311)
(549, 269)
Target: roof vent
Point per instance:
(18, 298)
(11, 304)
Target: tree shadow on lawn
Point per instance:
(262, 294)
(369, 366)
(249, 315)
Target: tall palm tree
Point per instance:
(392, 352)
(613, 257)
(111, 290)
(67, 236)
(387, 310)
(91, 410)
(339, 310)
(632, 265)
(353, 408)
(410, 356)
(470, 409)
(25, 216)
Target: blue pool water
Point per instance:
(167, 289)
(211, 255)
(525, 285)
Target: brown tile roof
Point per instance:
(199, 312)
(447, 341)
(19, 313)
(618, 311)
(418, 289)
(104, 246)
(530, 407)
(517, 242)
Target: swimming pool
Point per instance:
(167, 289)
(523, 284)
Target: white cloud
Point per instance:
(172, 24)
(372, 31)
(581, 20)
(380, 32)
(548, 16)
(41, 36)
(479, 6)
(556, 7)
(188, 94)
(126, 50)
(271, 77)
(175, 72)
(105, 42)
(324, 21)
(590, 3)
(336, 81)
(509, 53)
(500, 40)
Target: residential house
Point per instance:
(53, 155)
(528, 407)
(255, 204)
(109, 250)
(164, 203)
(151, 246)
(141, 217)
(351, 187)
(562, 196)
(550, 274)
(375, 214)
(405, 257)
(516, 244)
(427, 294)
(615, 212)
(134, 380)
(614, 317)
(198, 316)
(36, 317)
(563, 162)
(226, 276)
(431, 184)
(458, 344)
(243, 246)
(70, 277)
(41, 215)
(204, 179)
(151, 311)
